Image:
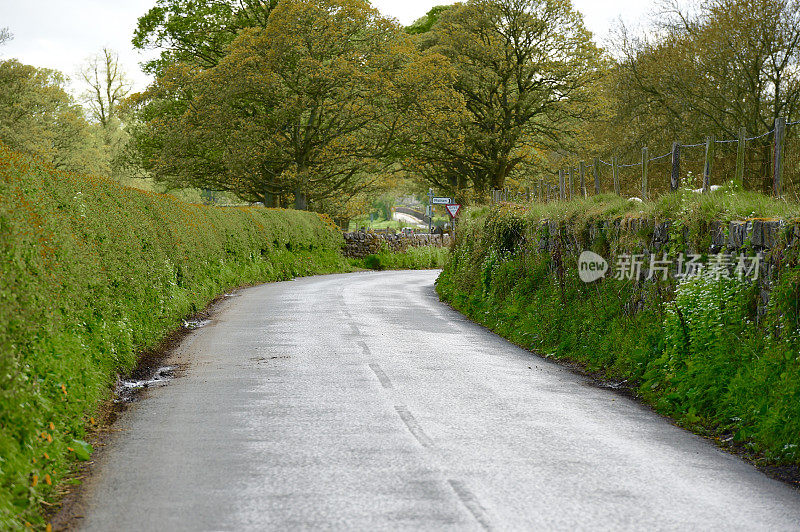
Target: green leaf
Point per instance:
(81, 449)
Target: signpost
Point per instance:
(430, 211)
(452, 209)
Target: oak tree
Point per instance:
(524, 69)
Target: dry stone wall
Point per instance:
(769, 238)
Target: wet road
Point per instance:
(360, 402)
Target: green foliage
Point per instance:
(696, 350)
(415, 258)
(39, 117)
(524, 68)
(678, 79)
(196, 31)
(426, 23)
(297, 108)
(83, 451)
(92, 273)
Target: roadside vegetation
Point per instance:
(415, 258)
(698, 350)
(93, 273)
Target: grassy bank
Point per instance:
(697, 350)
(415, 258)
(92, 273)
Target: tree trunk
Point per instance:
(300, 200)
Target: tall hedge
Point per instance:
(92, 273)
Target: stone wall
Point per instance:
(359, 244)
(770, 238)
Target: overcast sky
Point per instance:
(63, 34)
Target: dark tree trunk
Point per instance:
(300, 200)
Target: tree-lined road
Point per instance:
(360, 402)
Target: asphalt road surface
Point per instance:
(360, 402)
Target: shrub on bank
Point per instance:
(92, 273)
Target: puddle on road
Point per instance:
(195, 324)
(269, 358)
(127, 391)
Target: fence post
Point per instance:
(711, 142)
(740, 157)
(645, 169)
(675, 175)
(596, 168)
(570, 174)
(615, 173)
(582, 172)
(777, 167)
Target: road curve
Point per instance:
(360, 402)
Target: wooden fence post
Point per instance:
(582, 171)
(596, 168)
(645, 169)
(675, 175)
(711, 143)
(777, 166)
(615, 173)
(570, 174)
(740, 157)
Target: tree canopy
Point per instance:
(38, 116)
(729, 64)
(196, 31)
(525, 69)
(313, 105)
(316, 100)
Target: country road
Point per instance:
(360, 402)
(408, 219)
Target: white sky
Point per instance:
(62, 34)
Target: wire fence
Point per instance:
(768, 163)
